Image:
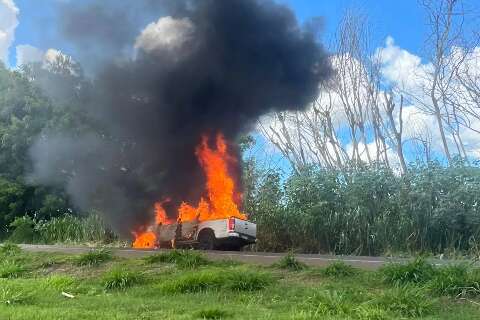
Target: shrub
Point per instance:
(23, 231)
(120, 279)
(212, 313)
(289, 262)
(416, 271)
(93, 258)
(10, 269)
(339, 269)
(183, 259)
(406, 301)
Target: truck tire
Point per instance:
(207, 240)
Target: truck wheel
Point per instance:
(206, 240)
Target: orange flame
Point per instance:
(222, 197)
(145, 240)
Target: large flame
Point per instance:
(222, 198)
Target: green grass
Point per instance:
(165, 289)
(417, 271)
(339, 269)
(184, 259)
(11, 269)
(93, 258)
(289, 262)
(120, 279)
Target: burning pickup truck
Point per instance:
(216, 222)
(224, 234)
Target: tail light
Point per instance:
(231, 224)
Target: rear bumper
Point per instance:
(235, 236)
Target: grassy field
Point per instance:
(185, 285)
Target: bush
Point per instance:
(23, 231)
(93, 258)
(10, 269)
(183, 259)
(339, 269)
(416, 271)
(120, 279)
(289, 262)
(212, 313)
(59, 282)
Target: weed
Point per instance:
(407, 301)
(183, 259)
(120, 279)
(211, 313)
(289, 262)
(93, 258)
(339, 269)
(10, 269)
(416, 271)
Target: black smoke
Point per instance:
(230, 63)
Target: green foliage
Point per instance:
(10, 296)
(367, 210)
(216, 279)
(183, 259)
(11, 269)
(211, 313)
(120, 279)
(456, 280)
(9, 249)
(59, 282)
(23, 231)
(289, 262)
(74, 229)
(416, 271)
(339, 269)
(93, 258)
(406, 301)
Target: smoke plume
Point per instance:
(208, 66)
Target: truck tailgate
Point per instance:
(246, 228)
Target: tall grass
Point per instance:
(368, 210)
(74, 229)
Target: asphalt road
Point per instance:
(260, 258)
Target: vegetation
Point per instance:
(289, 262)
(368, 210)
(93, 258)
(134, 289)
(339, 269)
(184, 259)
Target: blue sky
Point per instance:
(400, 19)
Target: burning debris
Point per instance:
(169, 117)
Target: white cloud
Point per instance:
(166, 34)
(27, 54)
(8, 22)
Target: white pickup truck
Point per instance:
(222, 234)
